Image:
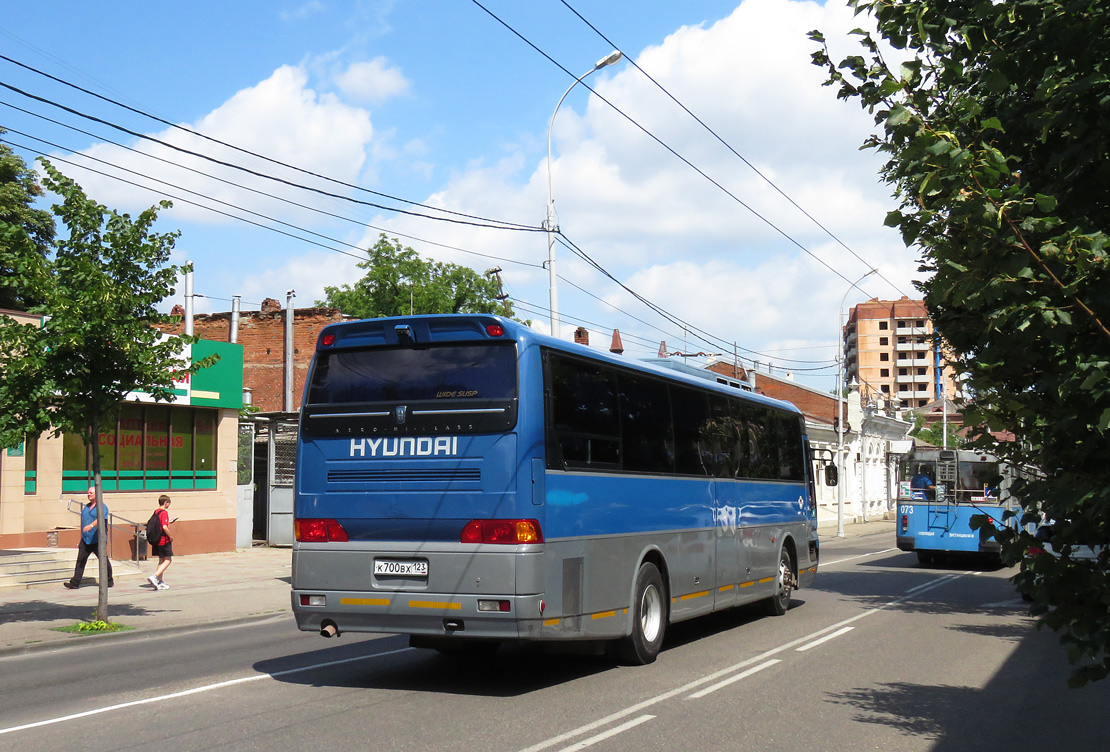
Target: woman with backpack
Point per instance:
(163, 547)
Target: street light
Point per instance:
(841, 416)
(549, 224)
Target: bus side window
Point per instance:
(690, 411)
(647, 437)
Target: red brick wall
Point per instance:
(262, 335)
(814, 405)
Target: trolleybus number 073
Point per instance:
(398, 568)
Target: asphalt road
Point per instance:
(881, 653)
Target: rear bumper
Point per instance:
(432, 614)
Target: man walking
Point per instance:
(89, 544)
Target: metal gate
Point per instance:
(282, 463)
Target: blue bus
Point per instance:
(939, 491)
(466, 481)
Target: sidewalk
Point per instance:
(204, 588)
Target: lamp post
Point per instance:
(841, 416)
(550, 222)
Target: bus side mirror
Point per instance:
(831, 475)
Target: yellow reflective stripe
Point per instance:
(603, 615)
(551, 622)
(689, 596)
(766, 579)
(364, 601)
(749, 583)
(436, 604)
(725, 588)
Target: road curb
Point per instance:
(83, 640)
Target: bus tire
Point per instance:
(778, 603)
(649, 618)
(924, 557)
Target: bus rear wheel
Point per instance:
(649, 618)
(778, 603)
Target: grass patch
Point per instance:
(94, 626)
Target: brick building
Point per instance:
(262, 335)
(890, 348)
(186, 448)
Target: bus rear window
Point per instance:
(447, 372)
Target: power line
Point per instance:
(484, 221)
(225, 203)
(667, 147)
(232, 183)
(728, 145)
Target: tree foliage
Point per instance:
(934, 433)
(99, 290)
(25, 233)
(398, 282)
(995, 122)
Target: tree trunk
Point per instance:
(101, 527)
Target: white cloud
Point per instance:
(281, 118)
(372, 82)
(666, 230)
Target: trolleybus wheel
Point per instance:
(784, 585)
(925, 557)
(649, 618)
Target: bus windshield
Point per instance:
(458, 371)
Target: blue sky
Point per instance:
(437, 102)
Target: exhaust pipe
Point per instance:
(329, 629)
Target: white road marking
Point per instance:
(853, 558)
(735, 667)
(826, 638)
(734, 679)
(194, 691)
(606, 734)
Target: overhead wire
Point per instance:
(500, 223)
(483, 221)
(224, 203)
(487, 223)
(727, 145)
(665, 146)
(232, 183)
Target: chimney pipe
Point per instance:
(233, 335)
(288, 407)
(189, 299)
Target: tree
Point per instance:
(996, 128)
(25, 233)
(399, 282)
(934, 433)
(99, 290)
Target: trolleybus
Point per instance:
(939, 491)
(466, 481)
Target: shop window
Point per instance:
(30, 464)
(147, 448)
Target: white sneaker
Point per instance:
(162, 586)
(153, 581)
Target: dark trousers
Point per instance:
(83, 551)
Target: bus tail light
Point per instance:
(509, 532)
(491, 605)
(319, 531)
(905, 522)
(495, 330)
